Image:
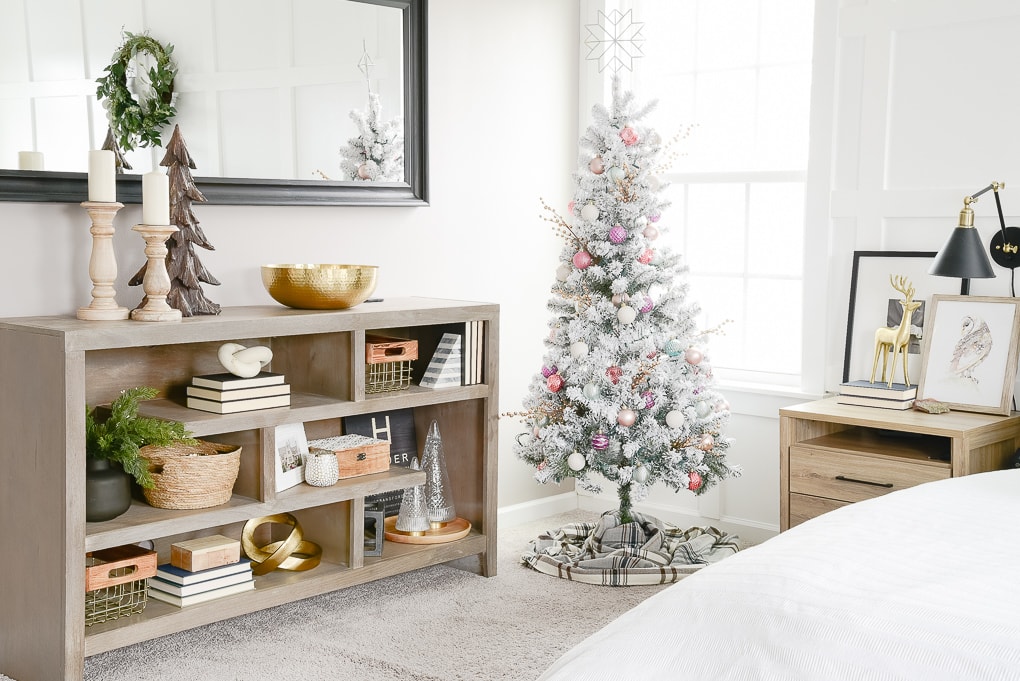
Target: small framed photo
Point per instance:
(970, 354)
(291, 452)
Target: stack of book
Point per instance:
(229, 394)
(877, 394)
(182, 588)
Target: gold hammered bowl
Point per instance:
(319, 287)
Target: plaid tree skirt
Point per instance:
(645, 551)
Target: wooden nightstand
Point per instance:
(832, 454)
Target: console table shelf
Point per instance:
(52, 368)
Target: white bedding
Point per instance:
(919, 585)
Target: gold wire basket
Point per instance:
(116, 582)
(387, 376)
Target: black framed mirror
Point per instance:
(72, 187)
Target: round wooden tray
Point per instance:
(452, 531)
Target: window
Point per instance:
(733, 81)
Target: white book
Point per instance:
(205, 596)
(227, 381)
(199, 587)
(239, 405)
(241, 394)
(176, 575)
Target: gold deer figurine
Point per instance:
(896, 339)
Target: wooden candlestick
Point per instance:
(156, 281)
(102, 263)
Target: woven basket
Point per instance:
(192, 476)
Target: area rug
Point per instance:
(641, 552)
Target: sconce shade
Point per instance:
(963, 256)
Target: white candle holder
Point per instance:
(156, 281)
(102, 264)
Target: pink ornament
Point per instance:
(648, 305)
(363, 172)
(597, 166)
(618, 234)
(649, 399)
(654, 217)
(555, 382)
(651, 232)
(707, 442)
(720, 406)
(614, 374)
(628, 136)
(582, 259)
(693, 356)
(626, 417)
(646, 257)
(570, 207)
(600, 441)
(548, 371)
(694, 480)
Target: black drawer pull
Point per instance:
(864, 482)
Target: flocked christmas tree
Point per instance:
(626, 389)
(187, 273)
(377, 153)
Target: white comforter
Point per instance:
(919, 585)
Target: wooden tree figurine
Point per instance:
(110, 144)
(187, 274)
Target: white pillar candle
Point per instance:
(30, 160)
(155, 198)
(102, 176)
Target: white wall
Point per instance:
(503, 132)
(924, 116)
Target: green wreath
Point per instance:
(132, 123)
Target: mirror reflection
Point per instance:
(265, 89)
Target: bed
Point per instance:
(921, 585)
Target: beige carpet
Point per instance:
(433, 624)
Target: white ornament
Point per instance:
(616, 174)
(626, 314)
(579, 350)
(242, 361)
(675, 418)
(702, 409)
(589, 212)
(591, 391)
(640, 473)
(576, 461)
(563, 271)
(654, 183)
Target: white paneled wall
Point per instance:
(264, 88)
(924, 117)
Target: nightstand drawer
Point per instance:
(804, 507)
(852, 477)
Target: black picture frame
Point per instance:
(870, 292)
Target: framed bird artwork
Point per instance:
(969, 357)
